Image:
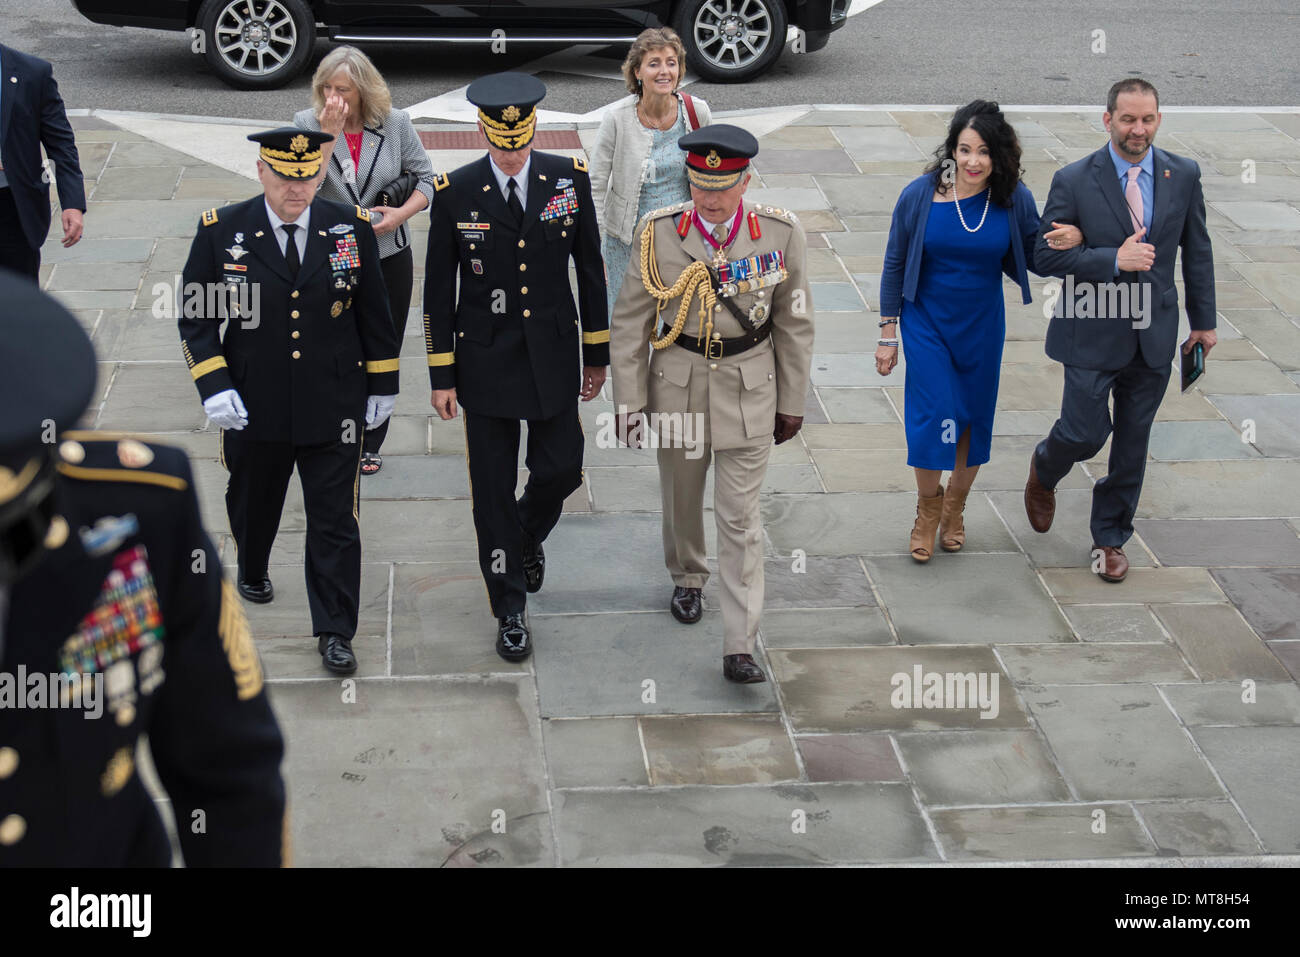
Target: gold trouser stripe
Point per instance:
(208, 365)
(221, 448)
(382, 365)
(595, 338)
(123, 475)
(356, 484)
(442, 358)
(286, 841)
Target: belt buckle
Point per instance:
(708, 350)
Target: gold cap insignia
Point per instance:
(299, 143)
(713, 160)
(510, 114)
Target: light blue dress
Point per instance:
(665, 185)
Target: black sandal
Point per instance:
(371, 462)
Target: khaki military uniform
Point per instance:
(737, 397)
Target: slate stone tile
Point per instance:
(115, 251)
(1116, 742)
(981, 767)
(1008, 466)
(124, 183)
(853, 195)
(136, 335)
(967, 599)
(1271, 332)
(863, 437)
(1093, 663)
(718, 749)
(743, 827)
(296, 656)
(1181, 441)
(855, 689)
(442, 623)
(1048, 833)
(855, 369)
(1259, 215)
(289, 614)
(787, 198)
(152, 397)
(1276, 421)
(849, 757)
(1259, 768)
(1013, 422)
(1073, 586)
(832, 160)
(1255, 489)
(150, 154)
(1113, 623)
(1068, 543)
(845, 117)
(594, 752)
(836, 297)
(1197, 828)
(407, 435)
(1218, 644)
(1210, 541)
(857, 406)
(821, 582)
(869, 523)
(1287, 652)
(875, 144)
(437, 531)
(416, 769)
(1229, 703)
(865, 471)
(598, 664)
(73, 299)
(824, 627)
(1249, 377)
(418, 477)
(148, 218)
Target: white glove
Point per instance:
(226, 410)
(378, 409)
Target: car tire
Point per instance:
(728, 41)
(257, 44)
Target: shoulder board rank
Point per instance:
(120, 457)
(580, 164)
(440, 182)
(209, 216)
(363, 214)
(755, 231)
(777, 212)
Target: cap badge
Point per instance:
(510, 114)
(299, 143)
(713, 160)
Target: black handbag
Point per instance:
(398, 191)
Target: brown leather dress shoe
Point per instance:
(741, 669)
(686, 605)
(1114, 566)
(1040, 501)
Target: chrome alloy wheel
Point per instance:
(255, 37)
(732, 34)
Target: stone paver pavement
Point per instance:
(1165, 708)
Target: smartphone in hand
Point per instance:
(1193, 365)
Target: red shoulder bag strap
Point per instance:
(691, 118)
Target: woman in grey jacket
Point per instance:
(373, 145)
(636, 166)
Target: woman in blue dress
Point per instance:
(956, 229)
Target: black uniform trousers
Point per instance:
(554, 461)
(259, 479)
(1082, 430)
(399, 276)
(15, 254)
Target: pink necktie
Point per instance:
(1133, 196)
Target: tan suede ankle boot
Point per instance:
(927, 523)
(952, 530)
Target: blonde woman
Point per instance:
(373, 150)
(636, 166)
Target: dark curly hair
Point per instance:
(986, 119)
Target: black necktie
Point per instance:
(516, 207)
(291, 249)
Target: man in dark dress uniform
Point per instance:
(308, 362)
(115, 624)
(506, 349)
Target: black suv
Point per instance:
(259, 44)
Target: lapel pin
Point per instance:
(1166, 174)
(486, 188)
(258, 233)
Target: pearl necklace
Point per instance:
(956, 201)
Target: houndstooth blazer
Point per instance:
(386, 152)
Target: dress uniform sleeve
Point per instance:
(630, 327)
(441, 265)
(593, 306)
(379, 342)
(792, 334)
(214, 739)
(200, 332)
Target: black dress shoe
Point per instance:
(514, 643)
(336, 654)
(534, 565)
(741, 668)
(687, 605)
(258, 591)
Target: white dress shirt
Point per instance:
(299, 237)
(520, 178)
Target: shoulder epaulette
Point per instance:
(776, 212)
(121, 457)
(363, 214)
(209, 216)
(580, 164)
(661, 213)
(440, 182)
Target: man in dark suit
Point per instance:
(506, 348)
(113, 607)
(31, 113)
(1116, 325)
(308, 362)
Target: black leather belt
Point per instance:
(717, 348)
